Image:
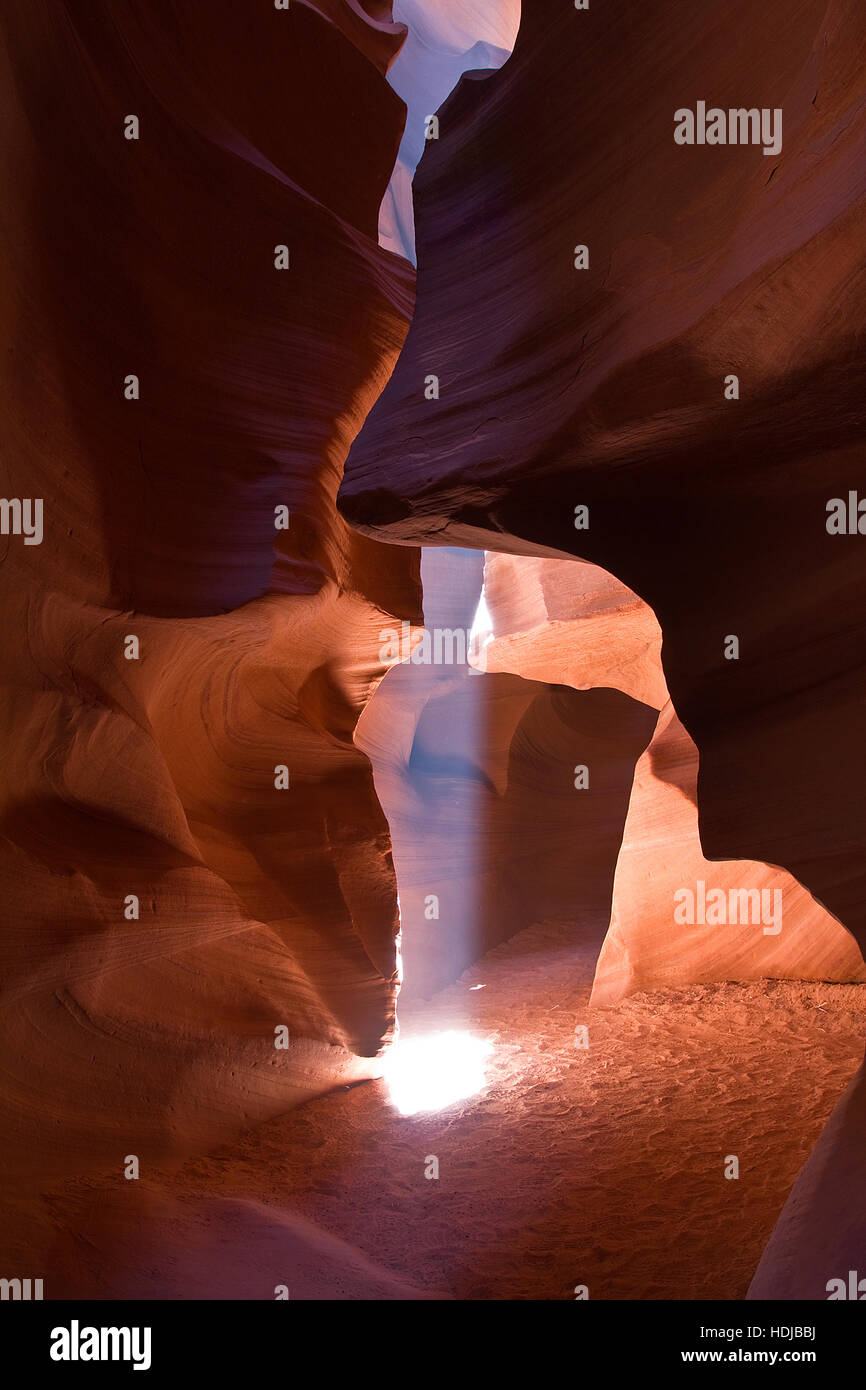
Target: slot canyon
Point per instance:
(433, 724)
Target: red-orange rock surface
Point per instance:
(258, 647)
(605, 388)
(476, 774)
(570, 622)
(651, 944)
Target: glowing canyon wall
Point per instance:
(169, 901)
(571, 623)
(587, 289)
(604, 388)
(205, 379)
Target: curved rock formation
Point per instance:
(819, 1237)
(588, 290)
(678, 918)
(605, 388)
(476, 774)
(444, 39)
(199, 317)
(570, 622)
(198, 626)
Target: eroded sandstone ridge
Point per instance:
(198, 318)
(587, 288)
(604, 387)
(168, 904)
(676, 917)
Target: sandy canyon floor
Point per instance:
(602, 1167)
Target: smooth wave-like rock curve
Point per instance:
(570, 622)
(605, 388)
(608, 388)
(193, 854)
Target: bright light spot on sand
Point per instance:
(429, 1073)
